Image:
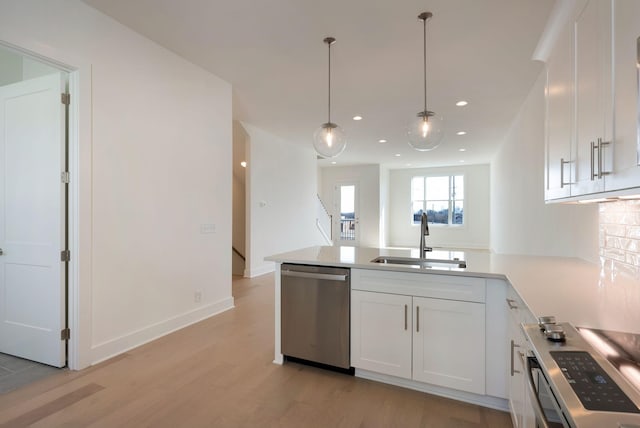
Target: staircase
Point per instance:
(323, 221)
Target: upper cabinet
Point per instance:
(626, 38)
(593, 96)
(591, 100)
(559, 117)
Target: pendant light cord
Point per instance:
(329, 87)
(425, 64)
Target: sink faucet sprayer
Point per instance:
(424, 231)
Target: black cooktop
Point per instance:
(591, 383)
(621, 349)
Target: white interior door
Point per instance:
(32, 220)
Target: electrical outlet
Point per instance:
(197, 296)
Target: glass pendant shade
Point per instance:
(426, 131)
(329, 140)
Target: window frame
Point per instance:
(450, 202)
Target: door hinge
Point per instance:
(65, 99)
(65, 334)
(65, 255)
(64, 177)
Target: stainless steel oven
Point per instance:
(571, 385)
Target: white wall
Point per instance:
(367, 179)
(521, 223)
(281, 190)
(475, 231)
(153, 165)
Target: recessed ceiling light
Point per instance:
(461, 132)
(461, 160)
(357, 117)
(462, 150)
(382, 140)
(333, 162)
(243, 164)
(397, 155)
(461, 103)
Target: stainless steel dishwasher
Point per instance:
(315, 314)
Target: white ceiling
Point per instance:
(273, 55)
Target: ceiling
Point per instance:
(273, 55)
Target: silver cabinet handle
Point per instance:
(311, 275)
(513, 347)
(417, 319)
(601, 145)
(562, 164)
(535, 400)
(405, 317)
(593, 171)
(512, 304)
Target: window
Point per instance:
(441, 197)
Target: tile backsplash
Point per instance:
(620, 237)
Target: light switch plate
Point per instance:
(207, 228)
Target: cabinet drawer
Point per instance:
(518, 311)
(450, 287)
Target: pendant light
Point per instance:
(329, 140)
(426, 131)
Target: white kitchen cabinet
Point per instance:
(381, 332)
(599, 47)
(559, 95)
(626, 172)
(593, 97)
(449, 343)
(519, 404)
(418, 336)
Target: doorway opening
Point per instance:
(346, 223)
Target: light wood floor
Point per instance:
(219, 373)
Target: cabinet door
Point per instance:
(626, 173)
(449, 343)
(593, 95)
(516, 372)
(559, 120)
(381, 333)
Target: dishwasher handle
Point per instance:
(312, 275)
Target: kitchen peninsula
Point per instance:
(571, 289)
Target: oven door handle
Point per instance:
(532, 363)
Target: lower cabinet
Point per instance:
(448, 343)
(518, 395)
(431, 340)
(381, 332)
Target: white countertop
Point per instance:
(572, 289)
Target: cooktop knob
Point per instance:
(555, 333)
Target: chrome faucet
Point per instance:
(424, 231)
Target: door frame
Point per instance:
(78, 303)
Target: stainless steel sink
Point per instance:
(427, 263)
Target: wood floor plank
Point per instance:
(219, 373)
(39, 413)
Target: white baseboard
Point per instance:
(467, 397)
(111, 348)
(262, 270)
